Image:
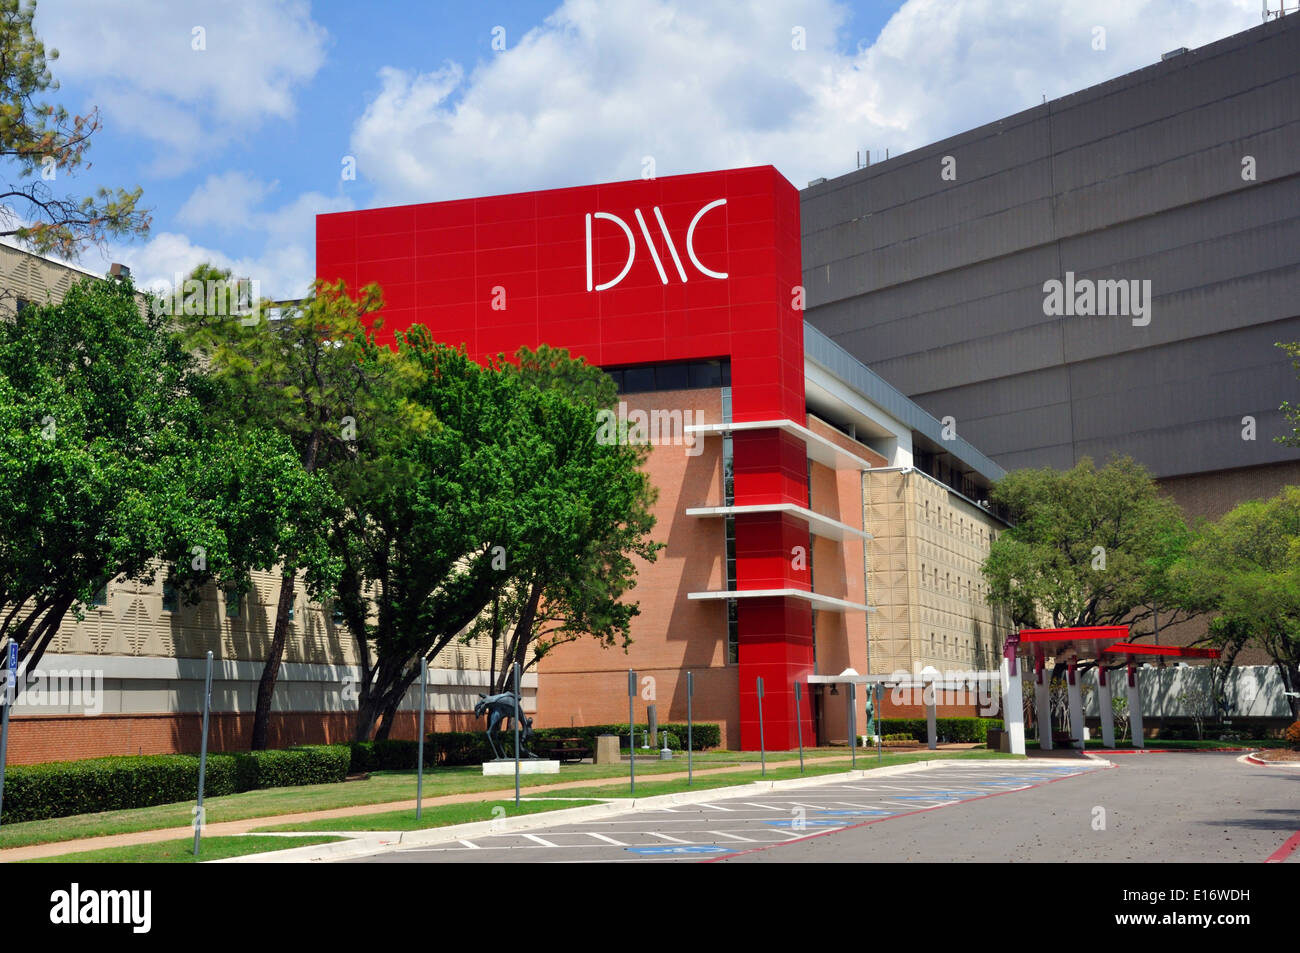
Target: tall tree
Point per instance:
(250, 505)
(1245, 569)
(569, 574)
(42, 144)
(97, 416)
(310, 371)
(1087, 546)
(510, 478)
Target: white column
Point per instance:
(1076, 707)
(1013, 704)
(931, 722)
(1135, 707)
(1043, 701)
(1104, 703)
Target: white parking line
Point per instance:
(675, 840)
(470, 844)
(748, 840)
(608, 840)
(539, 840)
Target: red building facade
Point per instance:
(643, 272)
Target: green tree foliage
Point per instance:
(97, 417)
(509, 478)
(311, 373)
(1245, 569)
(1087, 546)
(569, 573)
(42, 144)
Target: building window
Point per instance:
(680, 375)
(169, 601)
(337, 614)
(733, 634)
(100, 598)
(233, 600)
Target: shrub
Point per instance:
(63, 788)
(291, 767)
(949, 730)
(1292, 734)
(450, 748)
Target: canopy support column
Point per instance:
(1076, 705)
(1013, 705)
(1106, 708)
(1043, 700)
(1135, 706)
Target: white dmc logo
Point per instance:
(654, 254)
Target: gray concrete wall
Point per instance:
(937, 285)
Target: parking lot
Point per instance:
(736, 825)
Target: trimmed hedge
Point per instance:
(704, 734)
(450, 748)
(388, 755)
(36, 792)
(950, 730)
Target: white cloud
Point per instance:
(138, 59)
(225, 201)
(703, 85)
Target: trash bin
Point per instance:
(993, 740)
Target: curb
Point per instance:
(365, 844)
(1254, 759)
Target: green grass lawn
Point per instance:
(382, 787)
(784, 772)
(1177, 744)
(442, 815)
(182, 851)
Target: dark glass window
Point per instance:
(672, 377)
(638, 380)
(679, 375)
(706, 374)
(169, 602)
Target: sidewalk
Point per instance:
(227, 828)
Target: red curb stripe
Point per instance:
(878, 820)
(1291, 845)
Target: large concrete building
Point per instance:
(1184, 176)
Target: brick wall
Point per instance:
(42, 738)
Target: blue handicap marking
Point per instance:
(850, 813)
(684, 849)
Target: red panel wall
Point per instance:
(504, 271)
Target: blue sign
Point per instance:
(13, 656)
(684, 849)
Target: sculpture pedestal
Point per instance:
(526, 766)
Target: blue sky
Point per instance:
(240, 143)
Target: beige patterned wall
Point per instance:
(924, 579)
(134, 623)
(32, 278)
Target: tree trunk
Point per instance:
(271, 670)
(367, 715)
(519, 641)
